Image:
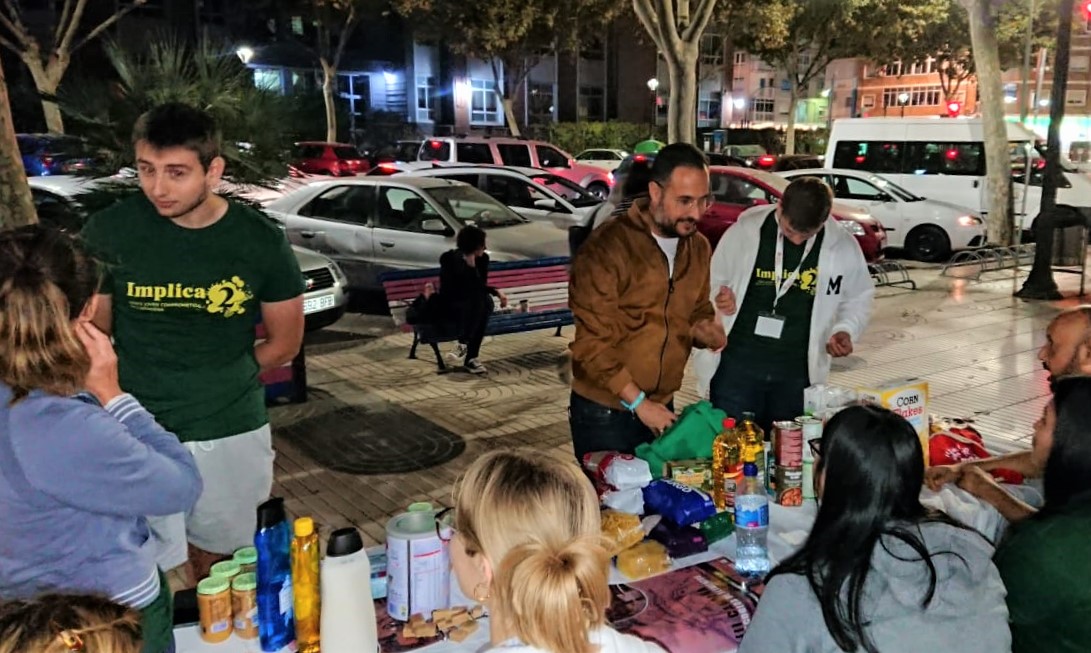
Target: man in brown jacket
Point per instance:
(639, 291)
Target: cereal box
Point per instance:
(908, 398)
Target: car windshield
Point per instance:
(471, 206)
(576, 195)
(894, 189)
(345, 152)
(406, 151)
(776, 182)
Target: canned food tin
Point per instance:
(789, 440)
(812, 430)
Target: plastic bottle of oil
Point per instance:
(726, 465)
(753, 443)
(307, 603)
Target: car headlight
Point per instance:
(969, 221)
(337, 273)
(853, 227)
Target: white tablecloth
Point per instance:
(788, 528)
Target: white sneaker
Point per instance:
(474, 367)
(458, 352)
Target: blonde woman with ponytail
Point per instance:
(81, 462)
(526, 544)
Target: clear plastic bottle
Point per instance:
(753, 443)
(726, 465)
(305, 586)
(751, 525)
(273, 539)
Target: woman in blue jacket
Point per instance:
(81, 462)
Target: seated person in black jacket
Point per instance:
(465, 294)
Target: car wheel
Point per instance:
(599, 190)
(928, 243)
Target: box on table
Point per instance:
(695, 473)
(908, 398)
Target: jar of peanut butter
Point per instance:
(244, 605)
(214, 606)
(247, 557)
(227, 569)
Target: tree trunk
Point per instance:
(329, 77)
(990, 86)
(47, 79)
(509, 115)
(16, 204)
(790, 136)
(682, 110)
(1040, 283)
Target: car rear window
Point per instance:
(435, 151)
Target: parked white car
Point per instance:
(324, 300)
(606, 159)
(535, 194)
(371, 225)
(928, 230)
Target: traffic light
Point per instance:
(955, 108)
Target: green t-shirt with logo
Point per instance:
(185, 306)
(788, 354)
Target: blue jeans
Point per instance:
(769, 394)
(599, 428)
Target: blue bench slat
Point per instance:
(399, 275)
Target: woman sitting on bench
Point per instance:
(465, 294)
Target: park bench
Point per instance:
(537, 291)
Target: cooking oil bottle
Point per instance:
(753, 442)
(305, 586)
(726, 465)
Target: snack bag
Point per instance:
(630, 501)
(643, 560)
(679, 503)
(620, 531)
(619, 471)
(954, 440)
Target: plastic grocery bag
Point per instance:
(688, 438)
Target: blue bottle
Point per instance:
(276, 627)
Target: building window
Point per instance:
(916, 96)
(484, 106)
(893, 70)
(426, 99)
(867, 102)
(1078, 62)
(541, 103)
(712, 50)
(592, 103)
(268, 79)
(297, 25)
(1075, 98)
(764, 106)
(740, 58)
(708, 109)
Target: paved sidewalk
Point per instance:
(381, 431)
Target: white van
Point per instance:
(944, 159)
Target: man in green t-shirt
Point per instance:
(188, 276)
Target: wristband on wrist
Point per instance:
(631, 407)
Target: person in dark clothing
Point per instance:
(465, 294)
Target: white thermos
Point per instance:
(348, 610)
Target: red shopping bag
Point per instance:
(955, 440)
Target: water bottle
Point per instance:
(348, 612)
(273, 539)
(751, 525)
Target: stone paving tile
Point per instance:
(972, 341)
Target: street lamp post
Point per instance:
(903, 99)
(653, 86)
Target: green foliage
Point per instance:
(574, 137)
(255, 122)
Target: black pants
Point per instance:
(472, 315)
(769, 394)
(599, 428)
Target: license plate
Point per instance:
(315, 304)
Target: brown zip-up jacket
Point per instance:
(632, 317)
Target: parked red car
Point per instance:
(334, 159)
(736, 189)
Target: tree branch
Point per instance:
(73, 25)
(664, 13)
(646, 14)
(105, 25)
(66, 13)
(346, 32)
(11, 46)
(700, 20)
(14, 24)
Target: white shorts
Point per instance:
(238, 475)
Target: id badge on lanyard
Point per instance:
(771, 325)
